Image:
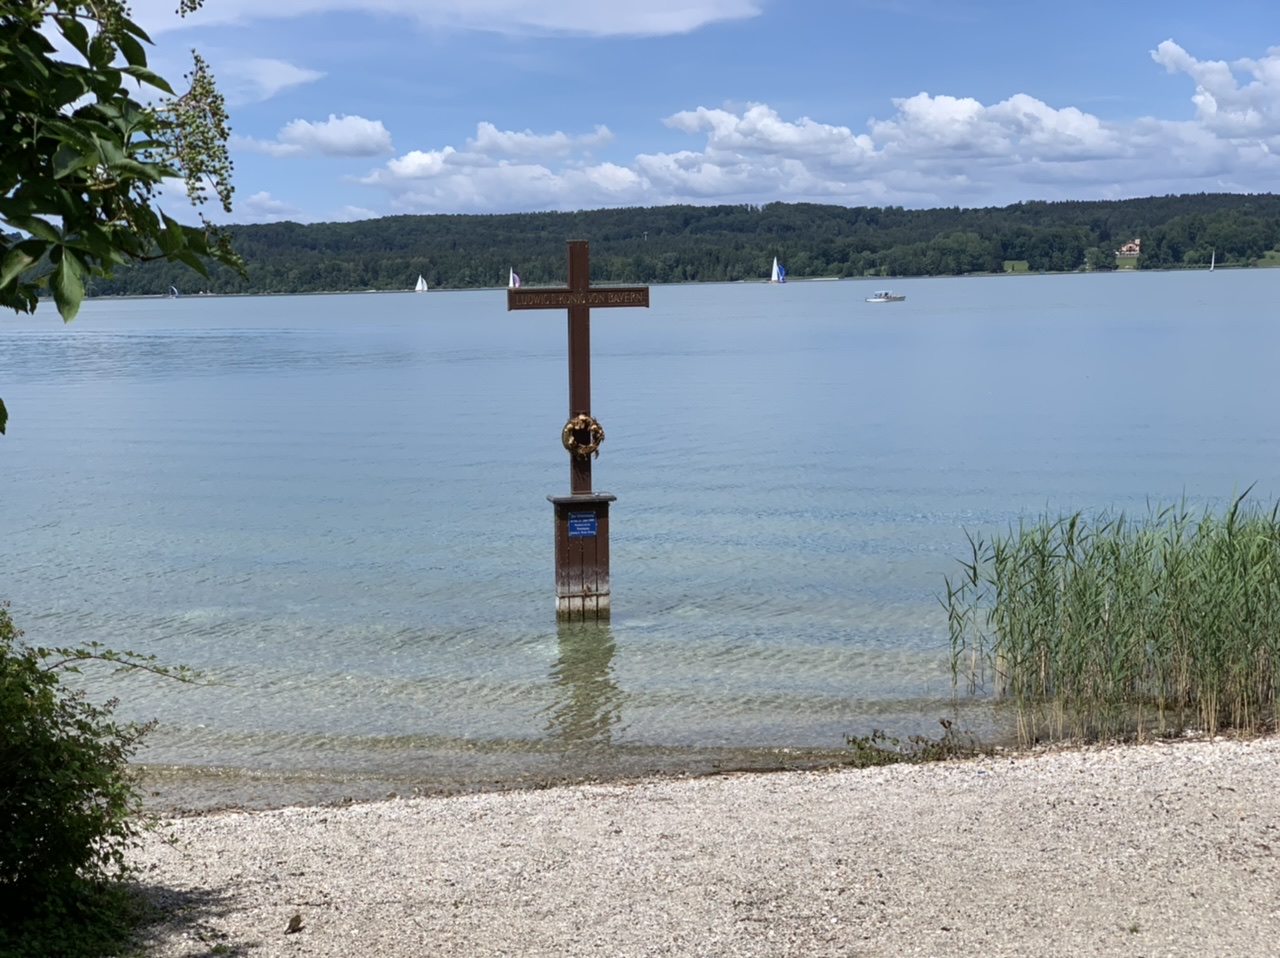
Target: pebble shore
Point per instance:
(1140, 850)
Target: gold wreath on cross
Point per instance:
(573, 428)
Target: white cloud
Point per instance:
(337, 136)
(495, 171)
(1222, 104)
(490, 140)
(760, 130)
(1020, 126)
(757, 153)
(454, 180)
(262, 207)
(414, 165)
(585, 17)
(254, 80)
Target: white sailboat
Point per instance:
(779, 275)
(513, 281)
(1213, 258)
(422, 285)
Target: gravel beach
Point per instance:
(1144, 850)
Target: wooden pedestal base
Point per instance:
(582, 555)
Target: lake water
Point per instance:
(335, 506)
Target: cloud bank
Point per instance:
(599, 18)
(1223, 106)
(933, 149)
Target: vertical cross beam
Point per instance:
(582, 517)
(579, 358)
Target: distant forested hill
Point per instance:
(678, 244)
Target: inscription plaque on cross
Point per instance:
(582, 517)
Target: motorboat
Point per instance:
(885, 296)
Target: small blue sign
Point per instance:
(582, 524)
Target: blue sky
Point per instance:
(351, 109)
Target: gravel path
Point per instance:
(1151, 850)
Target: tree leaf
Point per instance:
(41, 229)
(68, 160)
(133, 52)
(192, 260)
(14, 265)
(99, 243)
(31, 64)
(131, 28)
(76, 33)
(68, 285)
(169, 238)
(149, 77)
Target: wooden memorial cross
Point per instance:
(582, 517)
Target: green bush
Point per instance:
(68, 805)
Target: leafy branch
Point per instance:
(82, 156)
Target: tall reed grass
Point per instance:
(1111, 627)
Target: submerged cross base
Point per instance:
(582, 517)
(582, 555)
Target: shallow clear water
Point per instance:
(335, 506)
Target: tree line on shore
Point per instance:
(688, 244)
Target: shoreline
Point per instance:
(185, 790)
(1162, 848)
(173, 791)
(203, 294)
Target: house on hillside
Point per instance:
(1131, 249)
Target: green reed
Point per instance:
(1110, 627)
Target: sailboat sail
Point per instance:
(779, 274)
(422, 285)
(1213, 258)
(513, 281)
